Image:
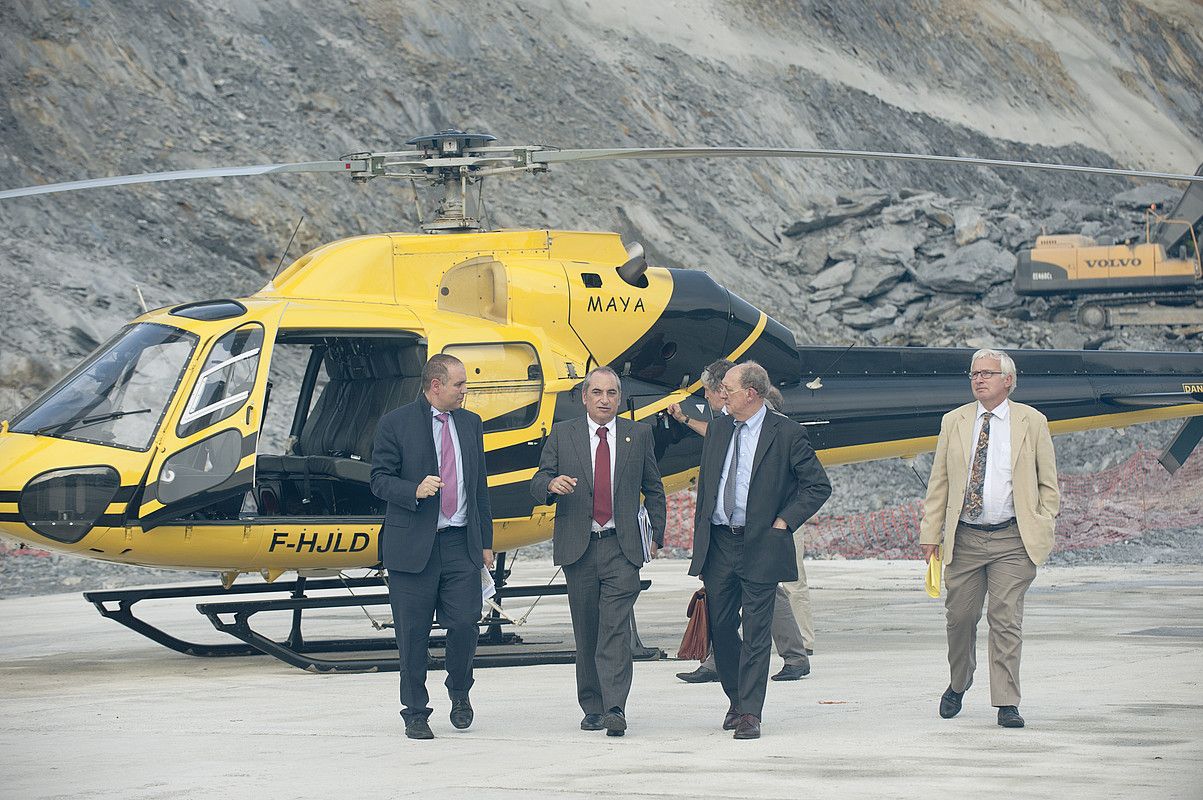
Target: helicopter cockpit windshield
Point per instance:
(118, 396)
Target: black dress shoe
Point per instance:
(748, 727)
(792, 672)
(699, 675)
(592, 722)
(615, 722)
(461, 713)
(1008, 717)
(418, 728)
(732, 719)
(950, 703)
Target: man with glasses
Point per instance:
(742, 541)
(991, 504)
(793, 627)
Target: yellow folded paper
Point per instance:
(935, 569)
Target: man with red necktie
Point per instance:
(428, 464)
(992, 504)
(593, 469)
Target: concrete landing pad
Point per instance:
(1112, 665)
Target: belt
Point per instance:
(603, 533)
(997, 526)
(452, 529)
(737, 530)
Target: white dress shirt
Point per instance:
(749, 434)
(998, 504)
(460, 517)
(610, 427)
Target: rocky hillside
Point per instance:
(103, 87)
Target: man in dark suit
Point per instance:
(593, 468)
(428, 464)
(759, 481)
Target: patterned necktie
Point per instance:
(603, 503)
(977, 476)
(732, 476)
(448, 495)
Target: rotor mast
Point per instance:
(452, 213)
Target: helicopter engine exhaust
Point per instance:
(636, 264)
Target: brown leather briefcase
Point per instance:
(696, 641)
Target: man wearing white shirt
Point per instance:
(594, 468)
(428, 464)
(992, 501)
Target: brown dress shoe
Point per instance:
(732, 719)
(748, 727)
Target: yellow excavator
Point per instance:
(1156, 282)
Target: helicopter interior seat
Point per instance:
(330, 465)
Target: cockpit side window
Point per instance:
(225, 381)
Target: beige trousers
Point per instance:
(799, 596)
(985, 565)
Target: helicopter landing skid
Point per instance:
(496, 648)
(118, 605)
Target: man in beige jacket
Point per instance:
(992, 501)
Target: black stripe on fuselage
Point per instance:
(889, 394)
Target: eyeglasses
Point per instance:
(983, 373)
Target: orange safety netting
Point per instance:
(1123, 502)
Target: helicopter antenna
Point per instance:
(817, 383)
(141, 299)
(284, 255)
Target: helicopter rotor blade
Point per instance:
(349, 166)
(616, 154)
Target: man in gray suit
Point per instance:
(759, 480)
(593, 468)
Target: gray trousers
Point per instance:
(602, 588)
(985, 565)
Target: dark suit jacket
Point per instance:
(567, 452)
(787, 481)
(402, 456)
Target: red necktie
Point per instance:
(603, 503)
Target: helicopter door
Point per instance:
(505, 383)
(205, 461)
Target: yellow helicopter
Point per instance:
(153, 450)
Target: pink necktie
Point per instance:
(448, 498)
